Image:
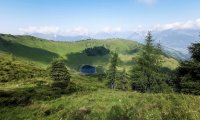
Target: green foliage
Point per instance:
(16, 70)
(169, 107)
(23, 93)
(195, 51)
(188, 74)
(123, 80)
(34, 98)
(11, 98)
(97, 51)
(146, 75)
(59, 74)
(82, 113)
(112, 71)
(22, 97)
(117, 113)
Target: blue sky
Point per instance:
(85, 16)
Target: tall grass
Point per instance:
(111, 105)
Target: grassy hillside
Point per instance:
(43, 51)
(65, 48)
(109, 105)
(30, 95)
(89, 99)
(12, 70)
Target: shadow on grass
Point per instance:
(19, 50)
(76, 60)
(133, 51)
(25, 96)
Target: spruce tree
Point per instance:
(188, 74)
(195, 51)
(112, 72)
(146, 74)
(59, 74)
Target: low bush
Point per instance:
(15, 70)
(11, 98)
(82, 113)
(117, 113)
(50, 111)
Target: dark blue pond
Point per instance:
(88, 69)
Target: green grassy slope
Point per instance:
(43, 51)
(31, 53)
(65, 48)
(12, 70)
(109, 105)
(33, 98)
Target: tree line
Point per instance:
(148, 75)
(96, 51)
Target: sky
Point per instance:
(71, 17)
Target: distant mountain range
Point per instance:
(178, 39)
(59, 37)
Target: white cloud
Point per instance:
(191, 24)
(45, 30)
(54, 30)
(76, 31)
(110, 29)
(148, 2)
(70, 32)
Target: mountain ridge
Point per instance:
(44, 51)
(177, 39)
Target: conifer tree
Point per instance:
(146, 74)
(59, 74)
(112, 72)
(188, 74)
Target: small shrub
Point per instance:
(51, 111)
(15, 70)
(47, 112)
(74, 88)
(82, 113)
(117, 113)
(11, 98)
(59, 84)
(59, 74)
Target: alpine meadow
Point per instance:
(99, 60)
